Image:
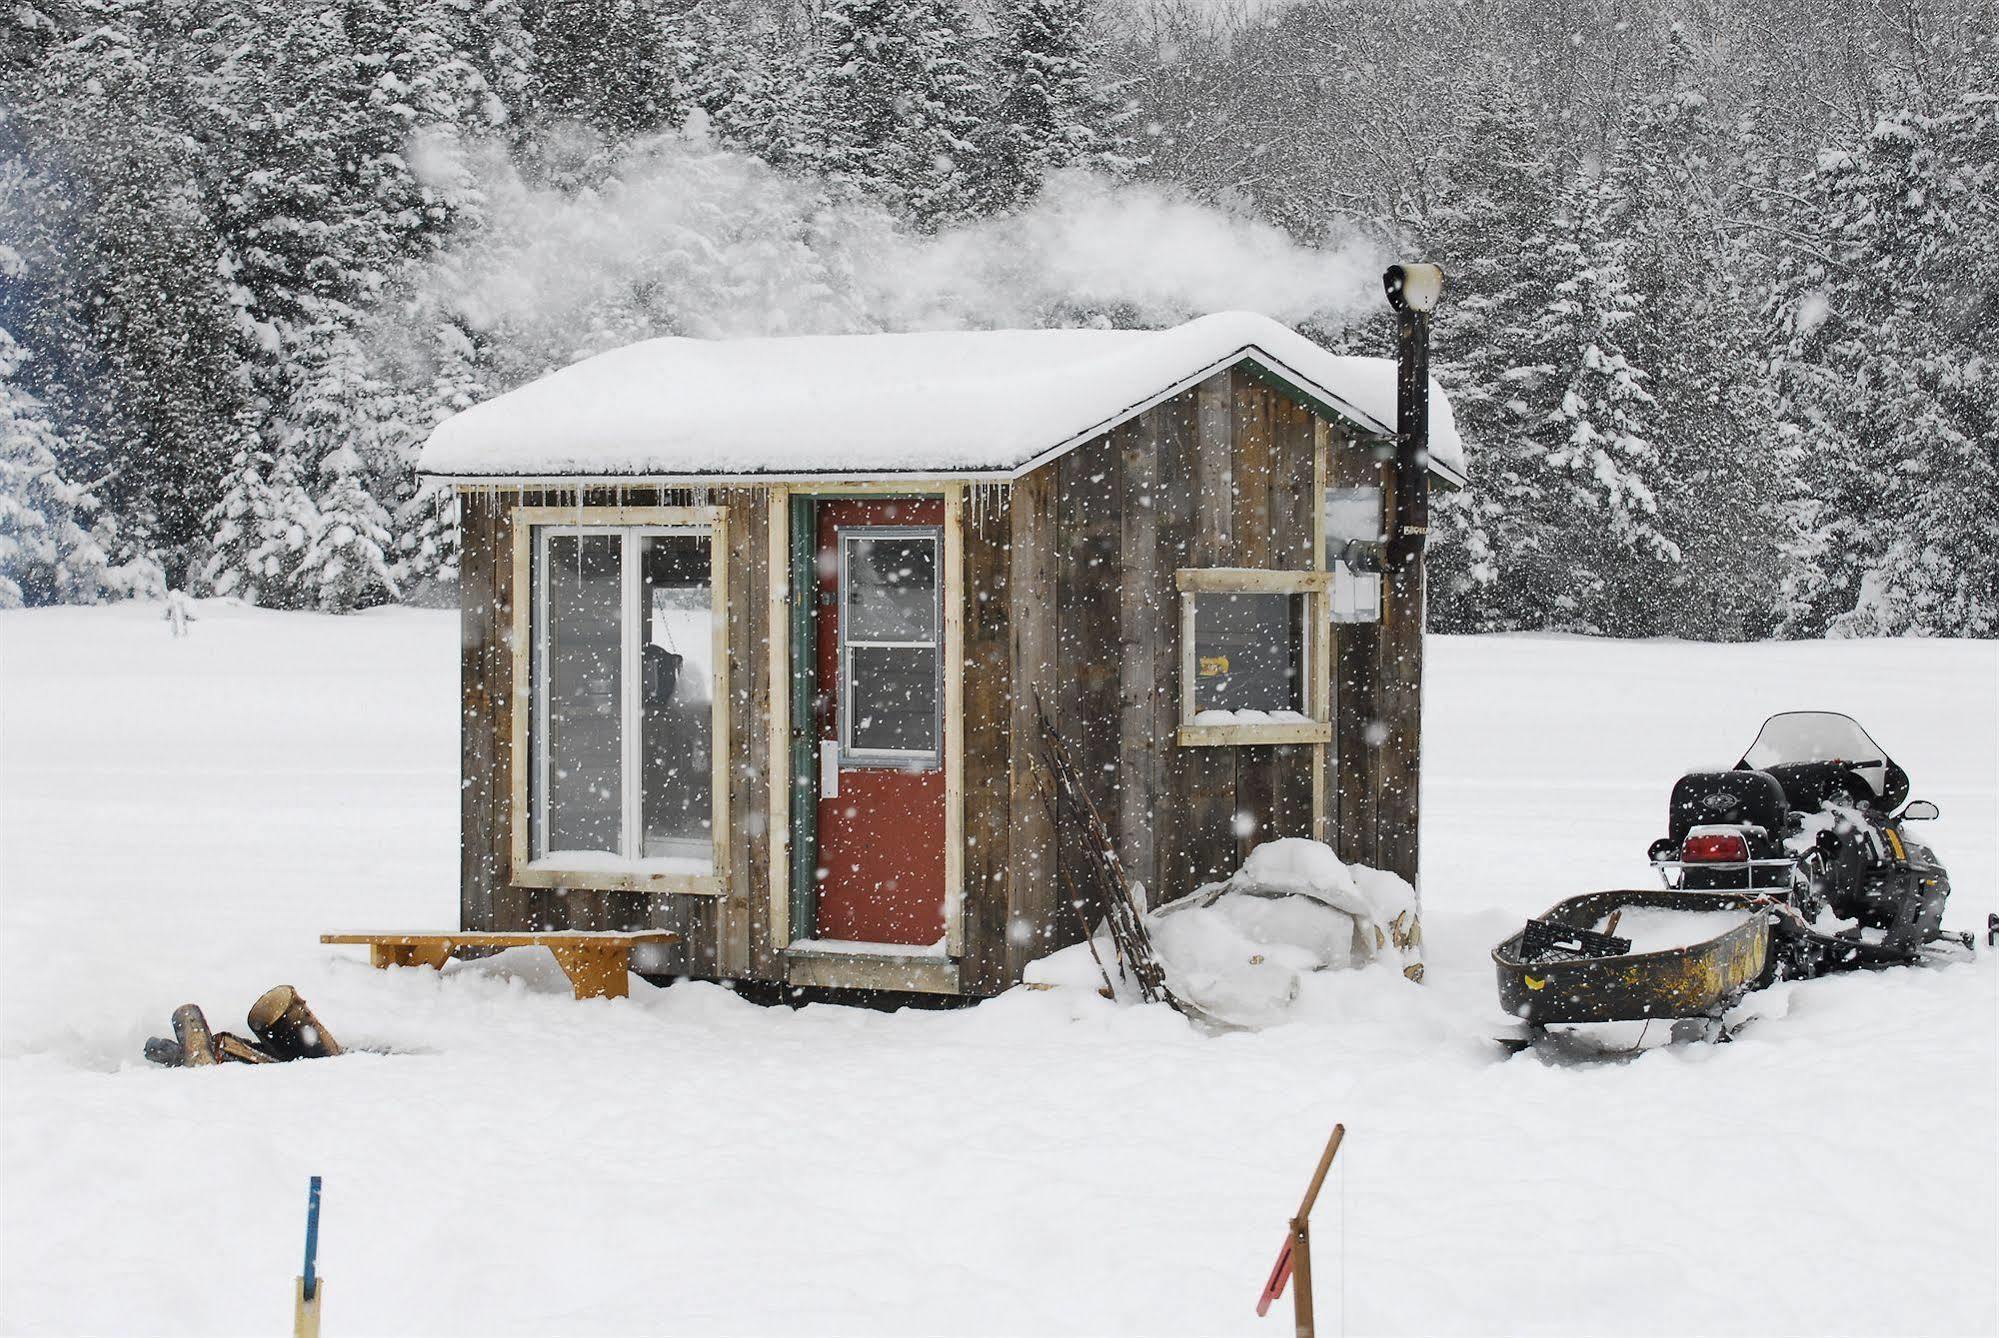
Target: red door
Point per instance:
(880, 721)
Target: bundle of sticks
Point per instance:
(1098, 891)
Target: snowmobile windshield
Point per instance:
(1801, 737)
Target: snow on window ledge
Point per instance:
(1249, 717)
(1228, 729)
(840, 947)
(602, 870)
(604, 861)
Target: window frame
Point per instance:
(1314, 588)
(531, 527)
(891, 758)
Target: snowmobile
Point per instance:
(1798, 850)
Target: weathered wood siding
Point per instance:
(1220, 476)
(989, 838)
(1377, 708)
(1035, 919)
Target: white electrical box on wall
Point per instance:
(1356, 595)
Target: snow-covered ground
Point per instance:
(179, 819)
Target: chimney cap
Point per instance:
(1413, 287)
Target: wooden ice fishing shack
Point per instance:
(760, 635)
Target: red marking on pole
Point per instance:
(1280, 1274)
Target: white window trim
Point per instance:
(1314, 587)
(925, 759)
(530, 623)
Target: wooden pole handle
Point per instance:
(305, 1311)
(1301, 1277)
(1319, 1176)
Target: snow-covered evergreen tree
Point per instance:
(600, 72)
(1595, 533)
(346, 563)
(1887, 370)
(425, 520)
(1560, 523)
(750, 82)
(1720, 484)
(122, 302)
(261, 528)
(430, 106)
(1052, 110)
(56, 540)
(335, 420)
(894, 106)
(1494, 199)
(326, 202)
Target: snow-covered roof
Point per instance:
(991, 403)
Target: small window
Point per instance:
(1251, 657)
(624, 706)
(891, 638)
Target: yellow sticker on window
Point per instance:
(1214, 664)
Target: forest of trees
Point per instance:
(1722, 326)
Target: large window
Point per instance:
(1251, 657)
(891, 638)
(626, 705)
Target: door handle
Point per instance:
(829, 768)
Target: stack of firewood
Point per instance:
(284, 1026)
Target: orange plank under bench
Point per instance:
(596, 962)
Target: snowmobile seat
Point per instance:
(1736, 798)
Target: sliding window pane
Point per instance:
(677, 696)
(892, 588)
(579, 747)
(893, 699)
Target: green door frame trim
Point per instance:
(804, 550)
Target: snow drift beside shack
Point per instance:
(1236, 953)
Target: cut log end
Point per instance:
(160, 1050)
(286, 1026)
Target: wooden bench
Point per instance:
(596, 963)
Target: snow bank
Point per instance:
(985, 401)
(1238, 952)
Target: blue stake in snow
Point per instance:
(306, 1289)
(312, 1240)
